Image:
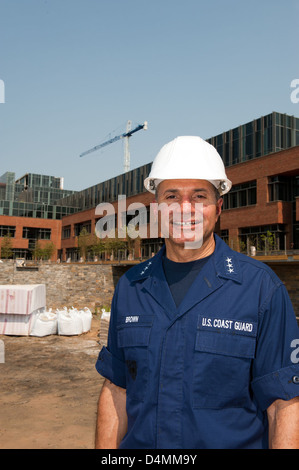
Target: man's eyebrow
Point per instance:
(170, 190)
(201, 189)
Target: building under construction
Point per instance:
(260, 214)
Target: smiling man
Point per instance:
(206, 363)
(189, 211)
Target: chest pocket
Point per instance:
(221, 377)
(133, 335)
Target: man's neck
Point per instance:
(180, 254)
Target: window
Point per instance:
(44, 233)
(32, 233)
(224, 234)
(265, 238)
(267, 141)
(241, 195)
(7, 230)
(82, 225)
(66, 232)
(280, 188)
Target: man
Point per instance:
(200, 342)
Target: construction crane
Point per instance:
(126, 135)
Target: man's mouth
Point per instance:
(186, 224)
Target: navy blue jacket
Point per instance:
(202, 375)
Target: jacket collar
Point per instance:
(146, 268)
(225, 261)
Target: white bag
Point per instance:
(105, 315)
(86, 317)
(69, 322)
(45, 324)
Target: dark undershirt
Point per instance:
(180, 276)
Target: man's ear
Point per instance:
(219, 204)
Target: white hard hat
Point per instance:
(188, 157)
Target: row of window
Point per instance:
(36, 211)
(241, 195)
(265, 238)
(40, 195)
(260, 137)
(31, 233)
(33, 179)
(37, 233)
(130, 183)
(280, 188)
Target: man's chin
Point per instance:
(185, 242)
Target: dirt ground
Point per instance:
(49, 389)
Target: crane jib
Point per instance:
(114, 139)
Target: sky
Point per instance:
(75, 71)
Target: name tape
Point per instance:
(132, 319)
(234, 325)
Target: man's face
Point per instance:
(196, 211)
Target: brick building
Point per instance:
(26, 231)
(260, 213)
(264, 200)
(29, 212)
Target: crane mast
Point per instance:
(126, 135)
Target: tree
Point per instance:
(84, 242)
(97, 246)
(6, 247)
(48, 250)
(45, 252)
(132, 242)
(112, 245)
(269, 241)
(37, 252)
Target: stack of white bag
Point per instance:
(66, 322)
(73, 322)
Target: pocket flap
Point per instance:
(133, 336)
(134, 330)
(225, 344)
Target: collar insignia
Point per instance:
(229, 265)
(145, 268)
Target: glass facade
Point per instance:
(129, 184)
(34, 196)
(260, 137)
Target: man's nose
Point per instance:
(186, 204)
(189, 206)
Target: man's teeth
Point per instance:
(185, 223)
